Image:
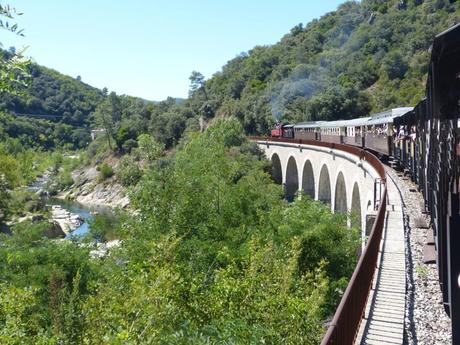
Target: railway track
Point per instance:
(383, 321)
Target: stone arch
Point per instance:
(308, 180)
(324, 185)
(356, 207)
(277, 172)
(292, 179)
(340, 200)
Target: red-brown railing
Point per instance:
(344, 327)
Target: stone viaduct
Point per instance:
(350, 180)
(341, 179)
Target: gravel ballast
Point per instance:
(426, 322)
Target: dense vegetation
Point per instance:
(57, 109)
(221, 259)
(52, 93)
(19, 166)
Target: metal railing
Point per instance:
(345, 324)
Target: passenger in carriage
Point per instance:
(402, 132)
(413, 133)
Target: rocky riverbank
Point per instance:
(88, 190)
(103, 249)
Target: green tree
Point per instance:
(102, 117)
(13, 66)
(149, 149)
(197, 83)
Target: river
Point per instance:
(86, 212)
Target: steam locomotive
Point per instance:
(425, 141)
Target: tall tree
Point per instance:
(102, 117)
(197, 83)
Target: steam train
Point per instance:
(377, 133)
(425, 141)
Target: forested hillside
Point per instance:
(366, 56)
(57, 109)
(51, 93)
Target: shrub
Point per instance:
(128, 171)
(105, 172)
(128, 145)
(65, 179)
(103, 228)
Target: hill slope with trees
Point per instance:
(51, 93)
(367, 56)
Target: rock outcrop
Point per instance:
(88, 190)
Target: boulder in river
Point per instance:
(67, 221)
(54, 231)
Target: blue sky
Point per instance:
(149, 48)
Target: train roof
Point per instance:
(339, 123)
(447, 31)
(392, 112)
(309, 124)
(388, 115)
(346, 123)
(375, 119)
(445, 41)
(362, 121)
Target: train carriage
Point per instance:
(380, 131)
(288, 131)
(354, 131)
(282, 131)
(308, 130)
(443, 166)
(404, 139)
(331, 132)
